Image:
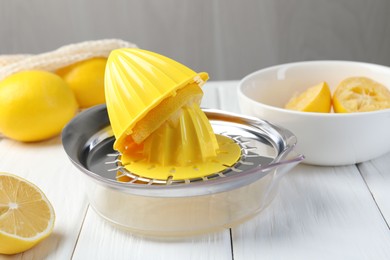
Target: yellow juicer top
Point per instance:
(153, 104)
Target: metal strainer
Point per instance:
(166, 207)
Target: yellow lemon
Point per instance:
(86, 79)
(26, 215)
(315, 99)
(35, 105)
(360, 94)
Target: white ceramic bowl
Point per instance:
(324, 138)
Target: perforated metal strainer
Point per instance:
(166, 207)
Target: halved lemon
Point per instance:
(360, 94)
(315, 99)
(26, 215)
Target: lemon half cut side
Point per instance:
(26, 215)
(360, 94)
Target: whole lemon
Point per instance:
(35, 105)
(86, 79)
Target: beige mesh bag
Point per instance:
(61, 57)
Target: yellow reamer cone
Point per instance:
(184, 147)
(136, 83)
(160, 130)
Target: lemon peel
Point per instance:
(86, 79)
(35, 105)
(315, 99)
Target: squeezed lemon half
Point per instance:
(26, 215)
(360, 94)
(315, 99)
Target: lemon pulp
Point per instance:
(360, 94)
(26, 215)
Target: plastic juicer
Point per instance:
(160, 130)
(159, 165)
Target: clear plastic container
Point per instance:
(159, 209)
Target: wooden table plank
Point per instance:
(221, 95)
(320, 213)
(46, 165)
(101, 240)
(376, 174)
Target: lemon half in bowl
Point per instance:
(324, 138)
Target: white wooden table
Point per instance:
(319, 213)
